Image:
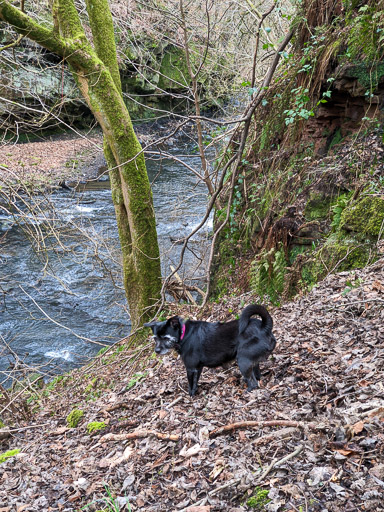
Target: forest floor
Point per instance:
(310, 439)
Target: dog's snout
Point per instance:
(157, 350)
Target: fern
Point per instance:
(338, 208)
(268, 275)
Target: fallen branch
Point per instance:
(184, 289)
(230, 483)
(138, 435)
(174, 402)
(250, 424)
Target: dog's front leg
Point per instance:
(193, 378)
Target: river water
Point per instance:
(60, 272)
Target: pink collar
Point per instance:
(182, 332)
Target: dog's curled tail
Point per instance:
(254, 309)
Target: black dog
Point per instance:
(202, 344)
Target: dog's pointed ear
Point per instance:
(174, 322)
(150, 324)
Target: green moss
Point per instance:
(101, 22)
(53, 384)
(94, 426)
(91, 385)
(369, 75)
(74, 417)
(338, 208)
(364, 217)
(6, 455)
(173, 70)
(336, 255)
(365, 41)
(317, 207)
(259, 499)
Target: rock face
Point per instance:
(37, 88)
(357, 94)
(35, 84)
(332, 178)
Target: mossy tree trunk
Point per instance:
(97, 75)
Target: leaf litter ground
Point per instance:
(312, 436)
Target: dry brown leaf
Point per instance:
(117, 459)
(377, 412)
(190, 452)
(378, 285)
(59, 431)
(345, 452)
(358, 427)
(242, 436)
(219, 467)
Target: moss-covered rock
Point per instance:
(364, 217)
(318, 206)
(74, 417)
(336, 255)
(173, 71)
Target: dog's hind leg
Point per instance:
(193, 379)
(256, 376)
(256, 372)
(250, 373)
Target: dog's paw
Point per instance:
(253, 386)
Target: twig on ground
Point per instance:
(28, 427)
(120, 405)
(138, 435)
(174, 402)
(276, 464)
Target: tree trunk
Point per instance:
(96, 73)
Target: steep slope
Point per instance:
(309, 194)
(310, 439)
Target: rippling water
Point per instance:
(68, 285)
